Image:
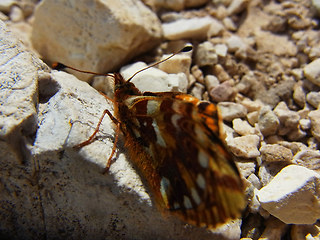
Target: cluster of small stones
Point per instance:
(260, 63)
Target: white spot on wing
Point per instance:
(160, 140)
(203, 159)
(152, 107)
(136, 132)
(201, 136)
(186, 202)
(164, 186)
(195, 196)
(174, 119)
(176, 106)
(200, 181)
(176, 205)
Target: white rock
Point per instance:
(236, 6)
(211, 81)
(229, 24)
(3, 17)
(242, 127)
(154, 80)
(223, 92)
(254, 204)
(293, 195)
(314, 117)
(299, 95)
(194, 28)
(252, 105)
(20, 71)
(253, 117)
(308, 158)
(16, 14)
(245, 146)
(94, 36)
(305, 124)
(313, 98)
(268, 170)
(206, 54)
(316, 5)
(221, 50)
(197, 90)
(5, 5)
(255, 181)
(230, 110)
(235, 43)
(275, 153)
(268, 121)
(312, 72)
(246, 168)
(179, 63)
(289, 119)
(230, 230)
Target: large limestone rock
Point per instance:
(94, 35)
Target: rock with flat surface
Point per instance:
(293, 195)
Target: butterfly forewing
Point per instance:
(173, 140)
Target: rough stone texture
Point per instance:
(267, 171)
(223, 92)
(309, 159)
(77, 36)
(289, 119)
(314, 116)
(206, 54)
(179, 63)
(267, 41)
(275, 153)
(20, 208)
(311, 232)
(195, 28)
(242, 127)
(312, 72)
(299, 95)
(230, 110)
(275, 229)
(313, 98)
(293, 195)
(245, 146)
(268, 121)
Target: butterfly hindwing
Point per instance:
(176, 139)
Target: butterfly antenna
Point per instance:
(59, 66)
(185, 49)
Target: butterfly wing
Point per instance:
(173, 139)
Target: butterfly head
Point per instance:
(123, 88)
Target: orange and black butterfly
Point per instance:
(174, 141)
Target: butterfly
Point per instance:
(174, 141)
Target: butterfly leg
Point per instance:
(90, 139)
(113, 148)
